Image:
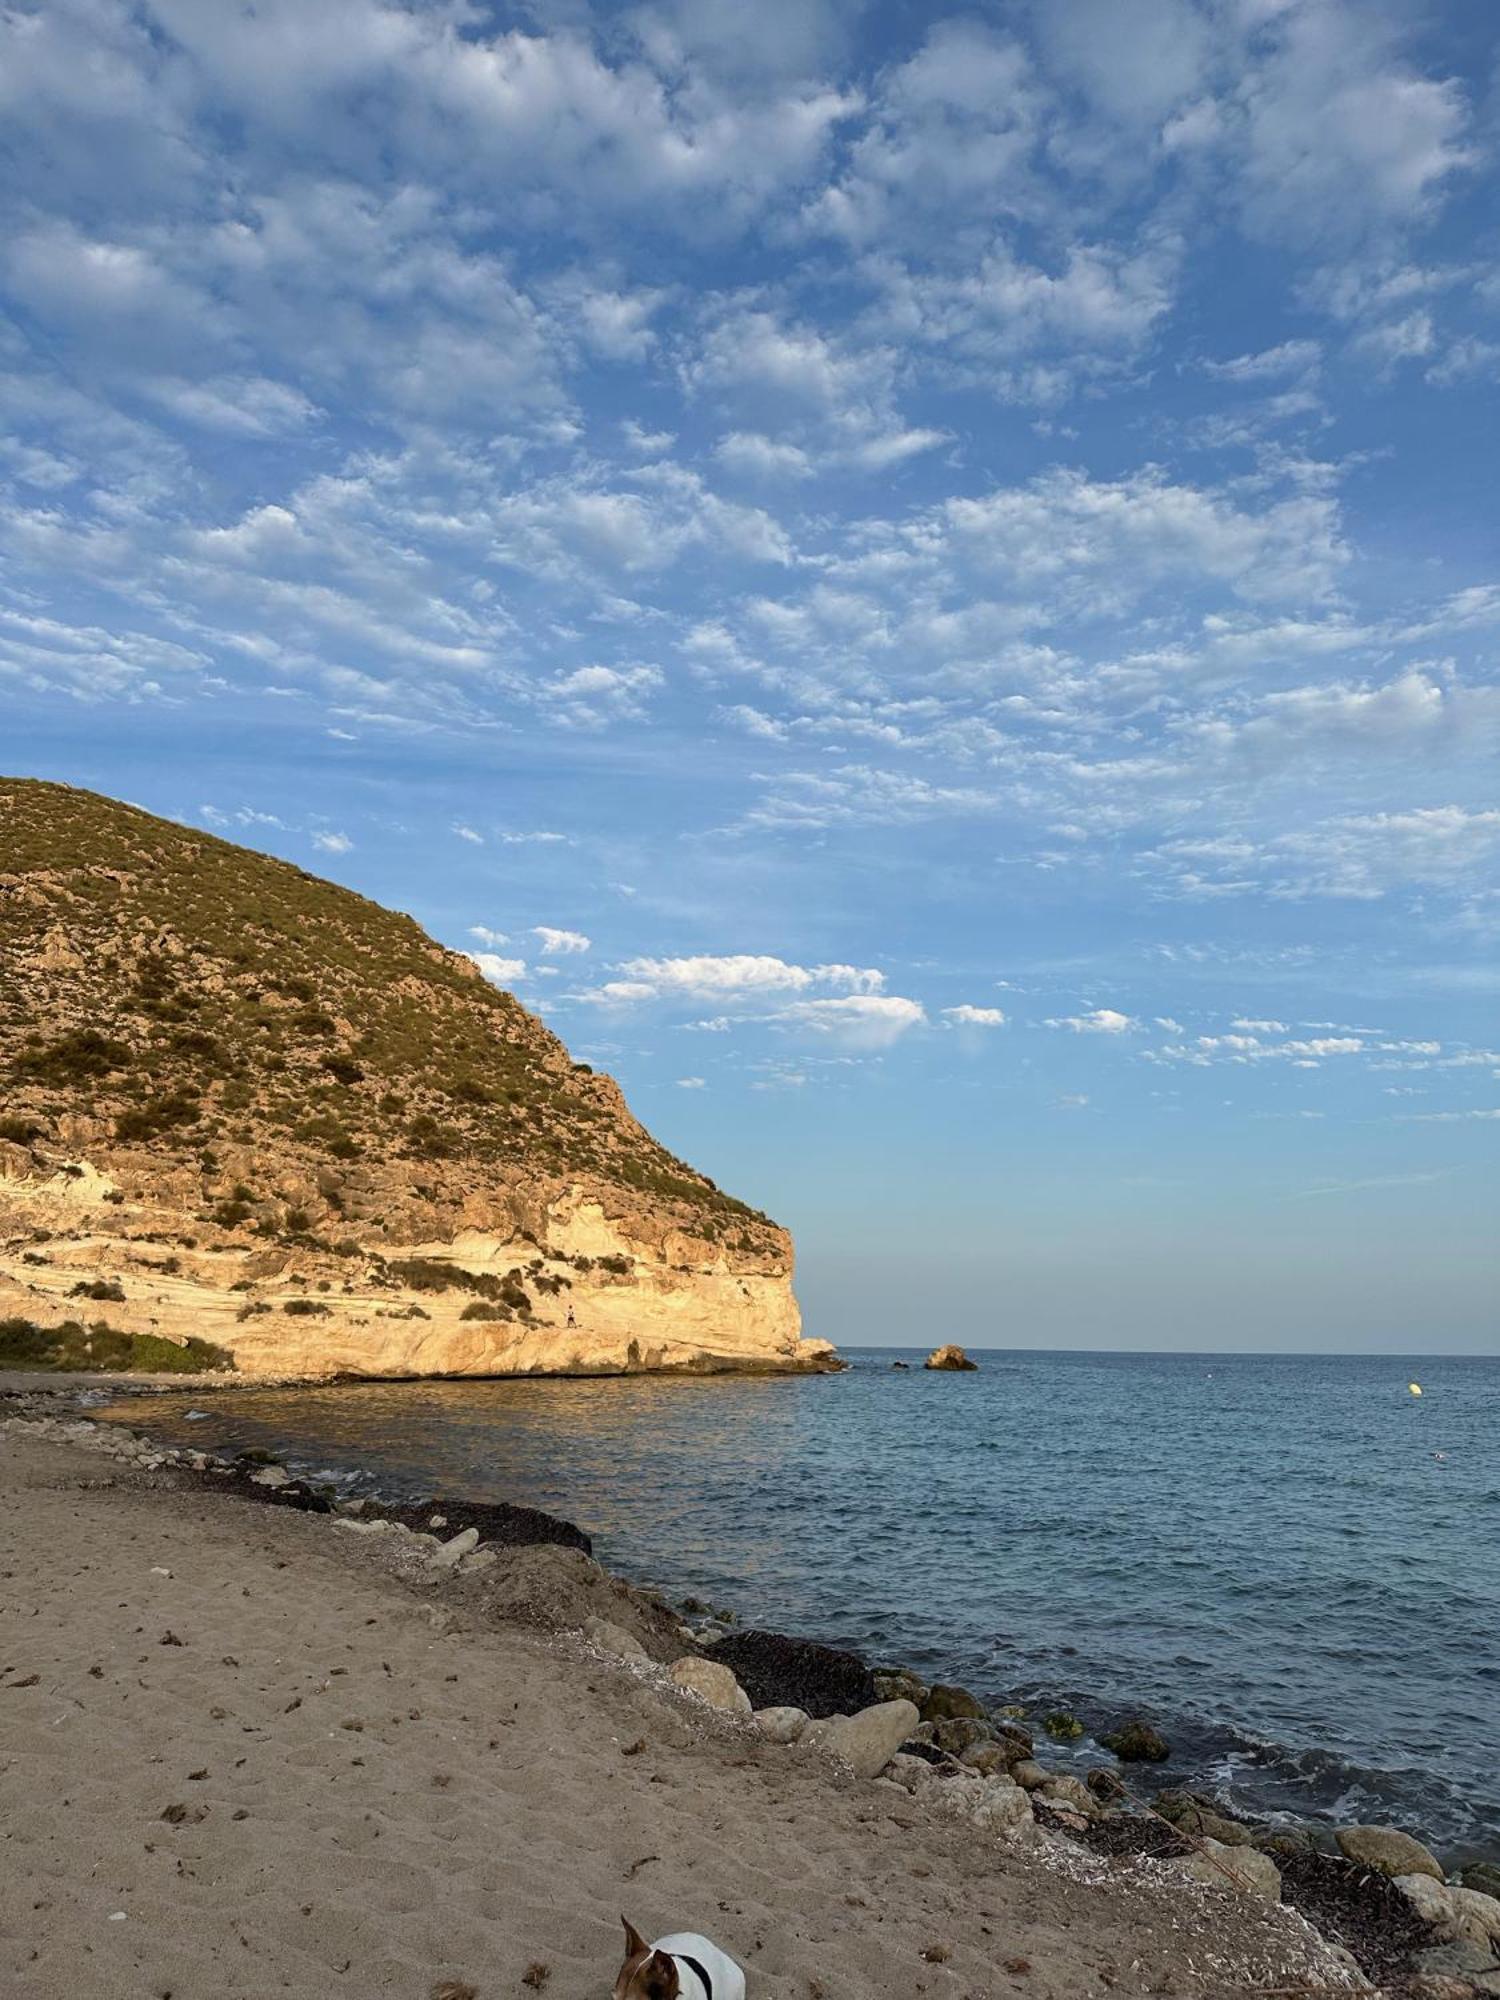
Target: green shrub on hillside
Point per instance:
(24, 1344)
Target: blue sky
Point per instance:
(922, 583)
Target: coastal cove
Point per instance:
(1289, 1565)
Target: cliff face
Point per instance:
(239, 1103)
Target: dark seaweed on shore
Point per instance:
(497, 1521)
(778, 1672)
(1135, 1834)
(1357, 1908)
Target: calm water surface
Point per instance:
(1291, 1564)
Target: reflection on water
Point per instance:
(1293, 1545)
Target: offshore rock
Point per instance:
(950, 1357)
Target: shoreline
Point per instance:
(940, 1764)
(1199, 1733)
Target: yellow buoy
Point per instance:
(1415, 1387)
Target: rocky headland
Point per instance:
(251, 1121)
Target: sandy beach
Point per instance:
(241, 1752)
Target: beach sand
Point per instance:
(241, 1754)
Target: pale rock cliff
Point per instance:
(242, 1105)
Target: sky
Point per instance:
(922, 583)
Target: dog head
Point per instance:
(646, 1974)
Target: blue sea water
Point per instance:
(1290, 1563)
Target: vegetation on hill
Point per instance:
(177, 994)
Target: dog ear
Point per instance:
(661, 1981)
(635, 1944)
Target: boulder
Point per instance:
(1481, 1875)
(1063, 1725)
(1463, 1961)
(448, 1554)
(271, 1475)
(944, 1703)
(1003, 1807)
(1071, 1793)
(896, 1684)
(1197, 1816)
(865, 1742)
(781, 1725)
(1233, 1868)
(712, 1683)
(958, 1733)
(1477, 1912)
(951, 1357)
(1388, 1851)
(911, 1773)
(1029, 1775)
(607, 1637)
(991, 1759)
(1105, 1784)
(1136, 1742)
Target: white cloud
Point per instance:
(468, 833)
(593, 697)
(861, 1020)
(1102, 1021)
(692, 1083)
(966, 1016)
(763, 457)
(558, 944)
(487, 937)
(499, 971)
(1291, 357)
(1342, 137)
(1119, 534)
(734, 975)
(329, 842)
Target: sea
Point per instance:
(1289, 1564)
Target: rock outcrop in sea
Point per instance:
(950, 1356)
(250, 1119)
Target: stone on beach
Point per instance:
(991, 1757)
(958, 1733)
(1064, 1790)
(447, 1554)
(945, 1703)
(781, 1725)
(1233, 1867)
(1197, 1816)
(865, 1742)
(606, 1637)
(1387, 1850)
(897, 1684)
(1457, 1916)
(712, 1683)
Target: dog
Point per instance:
(683, 1966)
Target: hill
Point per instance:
(242, 1104)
